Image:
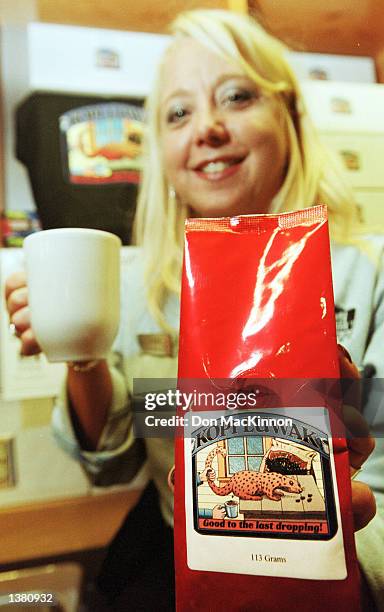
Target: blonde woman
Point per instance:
(228, 134)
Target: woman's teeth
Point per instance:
(218, 166)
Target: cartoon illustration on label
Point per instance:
(271, 482)
(249, 484)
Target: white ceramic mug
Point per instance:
(74, 291)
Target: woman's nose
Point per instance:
(211, 131)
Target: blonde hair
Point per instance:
(313, 176)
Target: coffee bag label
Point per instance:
(261, 486)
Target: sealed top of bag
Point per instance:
(259, 222)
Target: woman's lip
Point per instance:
(218, 176)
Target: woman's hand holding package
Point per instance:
(360, 446)
(16, 295)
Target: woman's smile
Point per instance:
(218, 168)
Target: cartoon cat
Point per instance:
(252, 485)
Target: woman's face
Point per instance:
(224, 143)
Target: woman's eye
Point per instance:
(176, 114)
(237, 97)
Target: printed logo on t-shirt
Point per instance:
(102, 143)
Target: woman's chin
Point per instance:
(232, 206)
(219, 209)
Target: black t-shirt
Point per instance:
(60, 202)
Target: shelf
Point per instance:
(60, 527)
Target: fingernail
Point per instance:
(171, 478)
(12, 329)
(344, 351)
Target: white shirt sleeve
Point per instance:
(119, 455)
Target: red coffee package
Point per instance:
(263, 517)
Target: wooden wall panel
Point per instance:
(350, 27)
(380, 65)
(144, 16)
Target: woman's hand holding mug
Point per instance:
(16, 295)
(71, 307)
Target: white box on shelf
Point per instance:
(345, 107)
(362, 157)
(92, 60)
(371, 205)
(330, 67)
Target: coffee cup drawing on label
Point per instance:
(231, 508)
